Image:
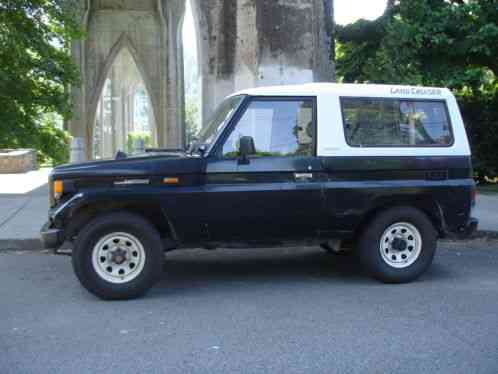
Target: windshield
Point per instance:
(211, 130)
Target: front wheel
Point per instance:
(398, 245)
(118, 256)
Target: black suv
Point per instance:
(275, 167)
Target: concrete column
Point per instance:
(115, 111)
(101, 128)
(216, 22)
(129, 109)
(78, 152)
(77, 124)
(174, 135)
(247, 43)
(291, 44)
(124, 120)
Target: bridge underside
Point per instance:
(240, 44)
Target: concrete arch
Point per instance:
(123, 43)
(148, 29)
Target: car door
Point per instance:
(277, 193)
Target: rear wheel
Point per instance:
(398, 245)
(118, 256)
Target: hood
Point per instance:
(143, 165)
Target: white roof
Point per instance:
(340, 89)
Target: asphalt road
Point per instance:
(268, 311)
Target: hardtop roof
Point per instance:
(347, 89)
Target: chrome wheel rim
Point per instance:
(400, 245)
(118, 257)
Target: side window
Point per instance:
(392, 122)
(279, 128)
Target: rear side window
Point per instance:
(371, 122)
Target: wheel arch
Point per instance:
(425, 203)
(81, 215)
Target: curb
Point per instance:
(488, 235)
(36, 244)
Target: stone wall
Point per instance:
(17, 161)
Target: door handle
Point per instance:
(303, 177)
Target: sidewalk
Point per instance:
(24, 206)
(487, 212)
(23, 209)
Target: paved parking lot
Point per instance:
(273, 311)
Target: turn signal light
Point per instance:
(58, 189)
(171, 181)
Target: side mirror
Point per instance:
(202, 149)
(246, 149)
(192, 141)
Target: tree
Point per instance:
(451, 43)
(35, 68)
(425, 42)
(358, 43)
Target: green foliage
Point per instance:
(51, 142)
(450, 43)
(480, 113)
(192, 120)
(423, 42)
(357, 46)
(136, 135)
(35, 68)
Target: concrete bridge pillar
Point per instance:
(150, 31)
(249, 43)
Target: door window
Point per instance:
(280, 128)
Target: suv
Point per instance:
(383, 170)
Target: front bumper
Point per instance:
(52, 238)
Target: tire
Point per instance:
(133, 257)
(398, 245)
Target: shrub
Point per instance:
(136, 135)
(52, 144)
(480, 115)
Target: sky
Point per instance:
(346, 11)
(349, 11)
